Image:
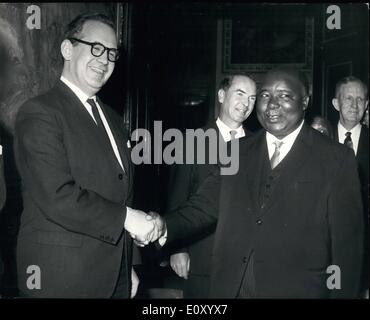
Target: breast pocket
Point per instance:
(58, 238)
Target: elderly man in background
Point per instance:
(351, 100)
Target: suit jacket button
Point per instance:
(259, 222)
(120, 176)
(244, 259)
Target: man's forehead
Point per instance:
(282, 80)
(96, 29)
(353, 86)
(243, 81)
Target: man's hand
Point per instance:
(134, 282)
(140, 225)
(180, 263)
(160, 226)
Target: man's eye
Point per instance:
(263, 95)
(284, 96)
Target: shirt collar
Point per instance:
(354, 131)
(287, 140)
(82, 96)
(225, 130)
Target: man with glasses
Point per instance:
(73, 157)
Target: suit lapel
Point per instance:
(253, 159)
(118, 137)
(363, 143)
(89, 124)
(79, 109)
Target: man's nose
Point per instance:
(272, 103)
(245, 101)
(104, 57)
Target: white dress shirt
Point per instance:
(83, 98)
(225, 130)
(355, 135)
(288, 142)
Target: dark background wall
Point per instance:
(177, 53)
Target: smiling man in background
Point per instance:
(237, 96)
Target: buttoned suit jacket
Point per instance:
(312, 220)
(75, 195)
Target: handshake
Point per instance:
(145, 227)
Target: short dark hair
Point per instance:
(228, 80)
(296, 73)
(347, 80)
(74, 28)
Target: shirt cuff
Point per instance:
(162, 240)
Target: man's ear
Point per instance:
(335, 103)
(305, 101)
(66, 49)
(221, 95)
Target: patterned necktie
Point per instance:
(275, 157)
(348, 140)
(232, 134)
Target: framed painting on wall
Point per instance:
(257, 44)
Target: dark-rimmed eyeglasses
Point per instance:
(98, 49)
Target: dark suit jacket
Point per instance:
(75, 195)
(185, 180)
(363, 162)
(313, 219)
(363, 169)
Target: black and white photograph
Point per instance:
(160, 151)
